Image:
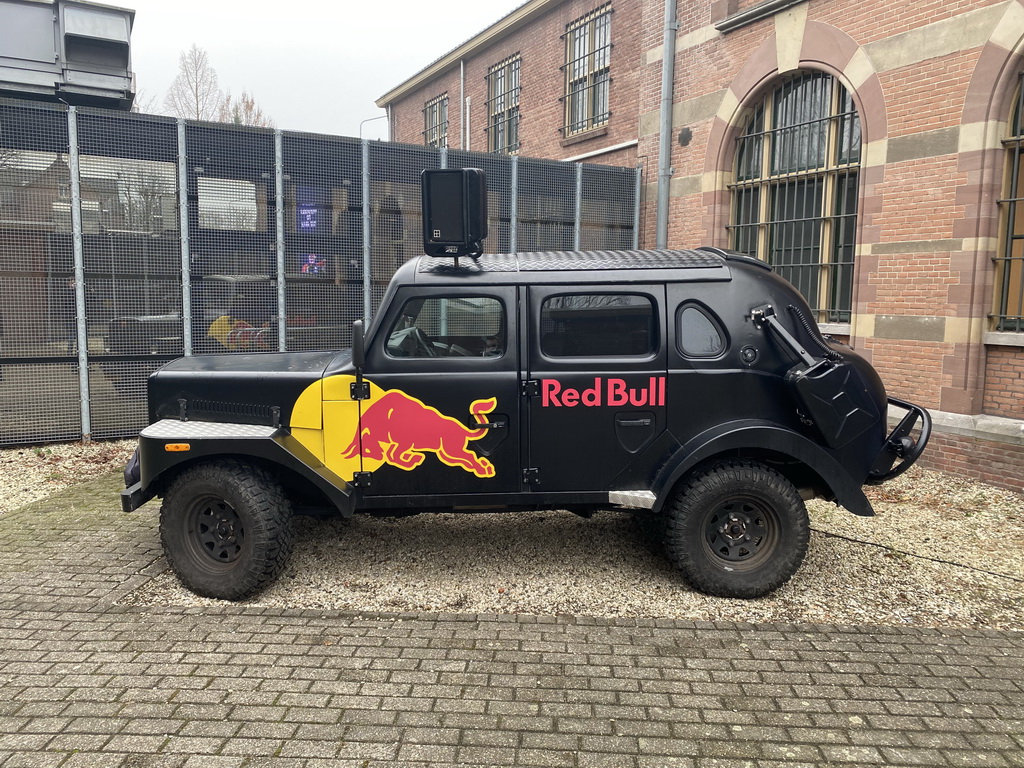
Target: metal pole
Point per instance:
(367, 297)
(79, 263)
(186, 260)
(637, 191)
(444, 158)
(668, 66)
(282, 308)
(578, 223)
(513, 228)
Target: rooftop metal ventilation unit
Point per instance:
(66, 50)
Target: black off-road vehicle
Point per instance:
(690, 384)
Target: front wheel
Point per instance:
(225, 527)
(737, 529)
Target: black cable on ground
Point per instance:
(914, 554)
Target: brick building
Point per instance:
(870, 151)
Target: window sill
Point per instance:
(578, 138)
(1003, 339)
(835, 329)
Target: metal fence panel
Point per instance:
(500, 194)
(142, 238)
(131, 262)
(547, 205)
(40, 373)
(322, 238)
(608, 207)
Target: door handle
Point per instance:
(633, 422)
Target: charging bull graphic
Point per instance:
(390, 427)
(400, 430)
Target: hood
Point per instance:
(237, 389)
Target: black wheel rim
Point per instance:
(215, 533)
(741, 533)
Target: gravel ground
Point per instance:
(941, 551)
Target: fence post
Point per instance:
(513, 224)
(444, 158)
(578, 222)
(81, 328)
(186, 260)
(367, 266)
(282, 308)
(636, 206)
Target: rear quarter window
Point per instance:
(698, 332)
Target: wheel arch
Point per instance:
(300, 479)
(800, 460)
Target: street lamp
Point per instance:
(369, 120)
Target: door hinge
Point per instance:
(531, 476)
(531, 388)
(359, 390)
(362, 479)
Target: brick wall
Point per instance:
(1004, 382)
(999, 464)
(541, 46)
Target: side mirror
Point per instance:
(358, 345)
(454, 212)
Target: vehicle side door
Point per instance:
(596, 385)
(442, 418)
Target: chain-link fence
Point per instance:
(128, 240)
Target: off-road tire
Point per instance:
(226, 529)
(737, 529)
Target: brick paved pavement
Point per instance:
(87, 682)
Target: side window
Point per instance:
(697, 334)
(597, 325)
(462, 326)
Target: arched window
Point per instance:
(1009, 304)
(794, 198)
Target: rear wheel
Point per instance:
(226, 529)
(737, 529)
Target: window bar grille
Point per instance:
(79, 263)
(588, 59)
(795, 196)
(1010, 267)
(435, 122)
(502, 106)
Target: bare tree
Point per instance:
(145, 102)
(243, 111)
(194, 93)
(146, 194)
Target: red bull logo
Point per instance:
(606, 391)
(400, 430)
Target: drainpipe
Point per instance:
(668, 73)
(462, 104)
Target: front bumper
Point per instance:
(901, 449)
(134, 497)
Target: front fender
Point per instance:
(206, 440)
(737, 437)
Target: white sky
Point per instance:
(312, 65)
